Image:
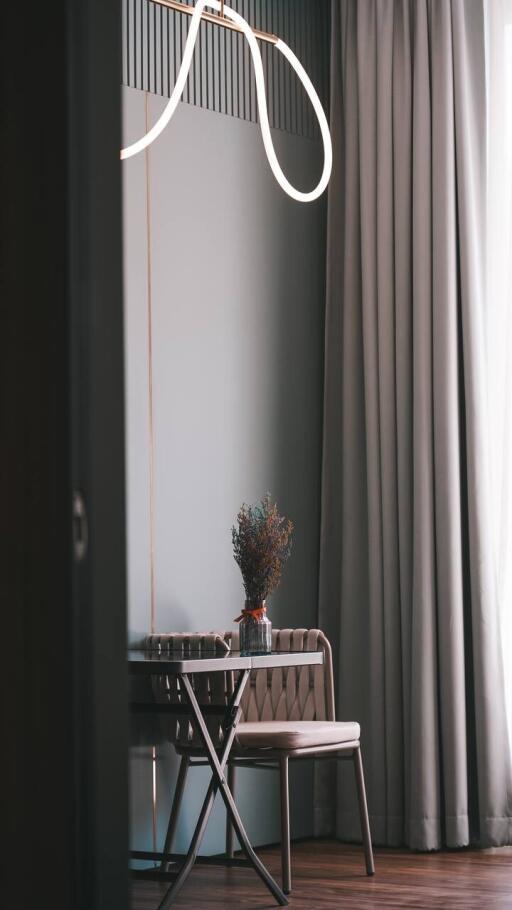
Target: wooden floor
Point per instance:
(329, 875)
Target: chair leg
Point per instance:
(363, 811)
(230, 831)
(175, 809)
(285, 824)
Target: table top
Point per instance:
(142, 662)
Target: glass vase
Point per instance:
(255, 630)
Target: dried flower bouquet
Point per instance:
(262, 542)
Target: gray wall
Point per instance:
(237, 285)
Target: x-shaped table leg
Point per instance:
(218, 782)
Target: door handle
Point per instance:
(80, 527)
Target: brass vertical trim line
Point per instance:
(151, 445)
(150, 382)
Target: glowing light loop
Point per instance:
(283, 48)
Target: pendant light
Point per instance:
(231, 19)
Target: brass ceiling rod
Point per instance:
(217, 20)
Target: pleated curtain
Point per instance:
(407, 573)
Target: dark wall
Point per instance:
(63, 792)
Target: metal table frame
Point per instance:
(151, 663)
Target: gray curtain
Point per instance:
(407, 587)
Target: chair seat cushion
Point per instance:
(290, 734)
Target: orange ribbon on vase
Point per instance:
(256, 612)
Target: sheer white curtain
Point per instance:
(499, 303)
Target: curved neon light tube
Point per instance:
(177, 91)
(283, 48)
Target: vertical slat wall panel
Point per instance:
(221, 76)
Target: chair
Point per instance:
(288, 713)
